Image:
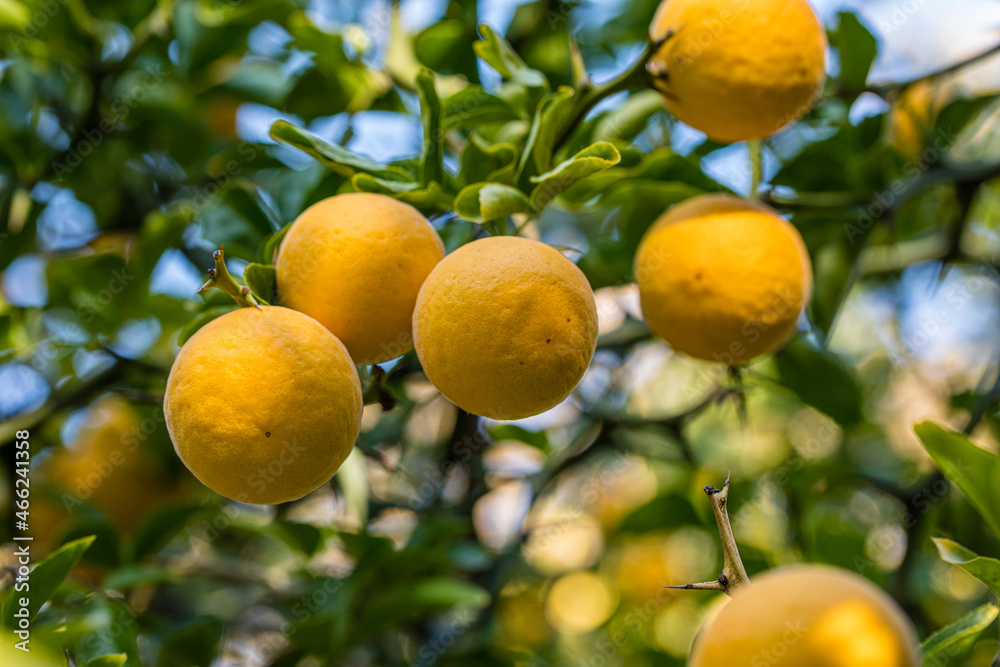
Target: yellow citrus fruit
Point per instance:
(355, 262)
(263, 405)
(580, 602)
(109, 466)
(505, 327)
(643, 567)
(738, 70)
(912, 117)
(521, 619)
(808, 616)
(722, 279)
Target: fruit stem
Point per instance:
(756, 149)
(221, 279)
(588, 94)
(733, 574)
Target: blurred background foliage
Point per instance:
(136, 138)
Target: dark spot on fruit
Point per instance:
(548, 340)
(569, 319)
(697, 275)
(267, 435)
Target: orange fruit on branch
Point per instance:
(738, 70)
(263, 405)
(723, 279)
(505, 327)
(355, 262)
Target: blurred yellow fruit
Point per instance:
(723, 279)
(911, 119)
(356, 262)
(808, 616)
(579, 602)
(739, 70)
(643, 567)
(521, 620)
(263, 405)
(505, 327)
(108, 465)
(619, 487)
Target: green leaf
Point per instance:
(269, 251)
(444, 46)
(473, 107)
(431, 166)
(245, 198)
(483, 161)
(629, 119)
(552, 112)
(334, 156)
(499, 55)
(110, 660)
(262, 281)
(504, 431)
(951, 644)
(972, 469)
(958, 114)
(857, 48)
(200, 320)
(161, 526)
(591, 160)
(986, 570)
(484, 202)
(820, 379)
(45, 579)
(431, 197)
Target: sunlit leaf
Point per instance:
(262, 281)
(951, 644)
(589, 161)
(484, 202)
(482, 161)
(499, 55)
(820, 379)
(972, 469)
(553, 110)
(431, 197)
(472, 107)
(337, 158)
(987, 570)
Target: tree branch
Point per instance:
(886, 88)
(733, 574)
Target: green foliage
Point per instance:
(857, 49)
(111, 660)
(987, 570)
(974, 470)
(136, 138)
(45, 579)
(951, 645)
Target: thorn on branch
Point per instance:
(220, 278)
(733, 573)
